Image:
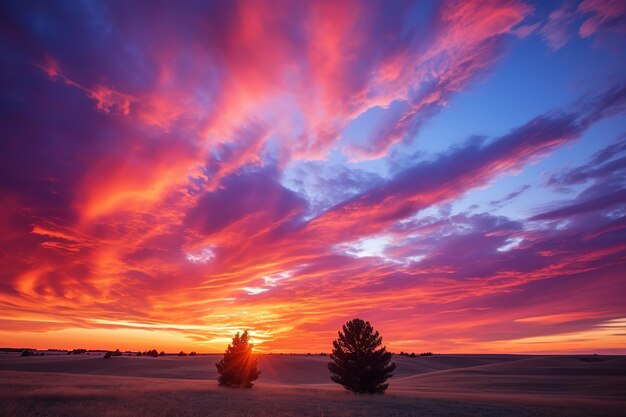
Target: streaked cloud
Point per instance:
(170, 176)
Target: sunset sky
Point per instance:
(174, 172)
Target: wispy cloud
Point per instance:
(183, 173)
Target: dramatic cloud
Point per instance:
(170, 175)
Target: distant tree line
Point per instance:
(14, 349)
(110, 354)
(152, 353)
(413, 355)
(181, 353)
(28, 352)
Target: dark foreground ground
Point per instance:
(446, 385)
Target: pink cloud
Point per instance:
(598, 16)
(107, 99)
(556, 30)
(604, 13)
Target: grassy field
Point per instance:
(446, 385)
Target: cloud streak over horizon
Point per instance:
(451, 171)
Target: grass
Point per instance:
(437, 393)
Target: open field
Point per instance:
(444, 385)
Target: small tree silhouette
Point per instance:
(238, 368)
(357, 364)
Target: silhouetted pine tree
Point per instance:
(357, 364)
(238, 368)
